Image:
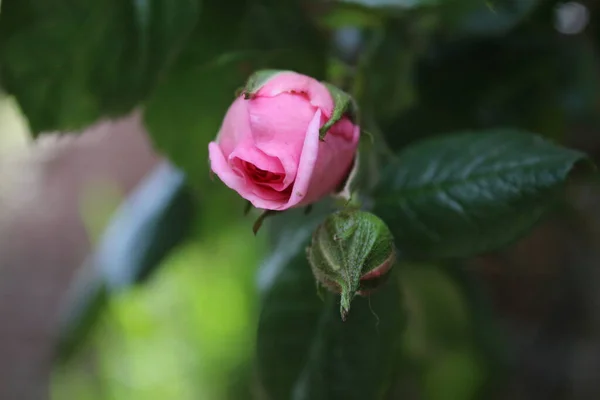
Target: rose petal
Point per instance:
(308, 159)
(293, 82)
(235, 127)
(247, 190)
(278, 128)
(246, 151)
(336, 155)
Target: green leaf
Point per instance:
(186, 111)
(289, 234)
(155, 219)
(304, 349)
(469, 193)
(71, 63)
(185, 114)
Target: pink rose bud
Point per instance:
(268, 148)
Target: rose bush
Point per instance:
(268, 147)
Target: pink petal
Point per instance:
(308, 159)
(235, 127)
(380, 270)
(278, 128)
(247, 190)
(292, 82)
(336, 155)
(246, 151)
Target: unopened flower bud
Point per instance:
(287, 141)
(352, 252)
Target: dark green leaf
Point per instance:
(304, 349)
(289, 234)
(470, 192)
(186, 112)
(153, 221)
(230, 43)
(71, 63)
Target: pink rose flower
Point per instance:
(268, 148)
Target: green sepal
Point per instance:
(261, 218)
(365, 134)
(347, 249)
(257, 80)
(343, 104)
